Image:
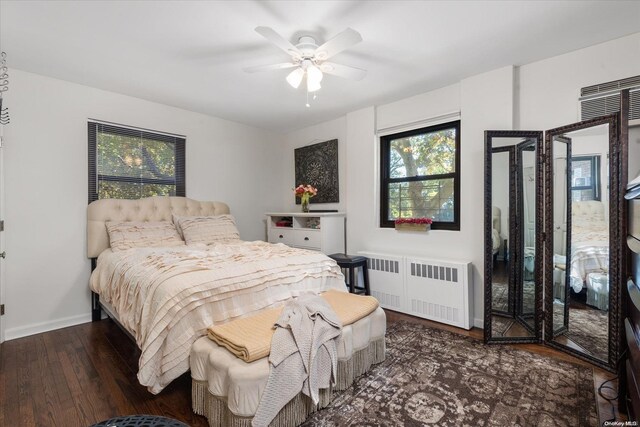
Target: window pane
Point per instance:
(581, 173)
(429, 198)
(129, 156)
(133, 190)
(422, 155)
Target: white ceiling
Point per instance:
(190, 54)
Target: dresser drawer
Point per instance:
(282, 235)
(322, 231)
(307, 239)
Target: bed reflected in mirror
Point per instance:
(511, 262)
(581, 243)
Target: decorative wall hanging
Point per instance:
(4, 86)
(317, 165)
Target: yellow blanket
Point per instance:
(250, 338)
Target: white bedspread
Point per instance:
(495, 240)
(589, 251)
(167, 297)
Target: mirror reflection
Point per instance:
(512, 273)
(580, 177)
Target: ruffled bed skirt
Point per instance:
(295, 412)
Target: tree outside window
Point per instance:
(130, 164)
(421, 176)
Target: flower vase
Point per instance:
(304, 201)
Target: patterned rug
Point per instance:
(433, 377)
(588, 327)
(500, 296)
(501, 325)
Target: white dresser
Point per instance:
(322, 232)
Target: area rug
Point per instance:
(588, 327)
(500, 296)
(501, 325)
(434, 377)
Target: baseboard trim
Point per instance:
(478, 323)
(37, 328)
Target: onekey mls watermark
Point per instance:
(620, 424)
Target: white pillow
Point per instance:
(127, 235)
(207, 229)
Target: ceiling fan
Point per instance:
(310, 59)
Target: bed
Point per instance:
(589, 242)
(495, 230)
(166, 296)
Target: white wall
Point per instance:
(535, 96)
(548, 90)
(45, 151)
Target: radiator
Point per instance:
(433, 289)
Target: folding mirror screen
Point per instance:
(554, 230)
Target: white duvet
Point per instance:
(589, 250)
(167, 297)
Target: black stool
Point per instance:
(351, 263)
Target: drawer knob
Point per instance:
(280, 236)
(306, 238)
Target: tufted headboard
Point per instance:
(590, 210)
(495, 218)
(159, 208)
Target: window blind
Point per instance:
(129, 163)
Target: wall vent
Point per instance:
(434, 289)
(436, 272)
(387, 265)
(386, 279)
(436, 311)
(604, 99)
(387, 300)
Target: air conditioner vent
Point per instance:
(617, 85)
(604, 99)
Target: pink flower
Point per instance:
(303, 189)
(414, 221)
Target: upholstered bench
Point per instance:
(598, 290)
(227, 390)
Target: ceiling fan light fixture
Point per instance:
(314, 73)
(313, 85)
(295, 77)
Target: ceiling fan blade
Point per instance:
(342, 41)
(259, 68)
(345, 71)
(275, 38)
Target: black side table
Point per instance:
(352, 263)
(140, 421)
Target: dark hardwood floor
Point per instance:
(84, 374)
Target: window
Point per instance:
(127, 163)
(420, 176)
(585, 178)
